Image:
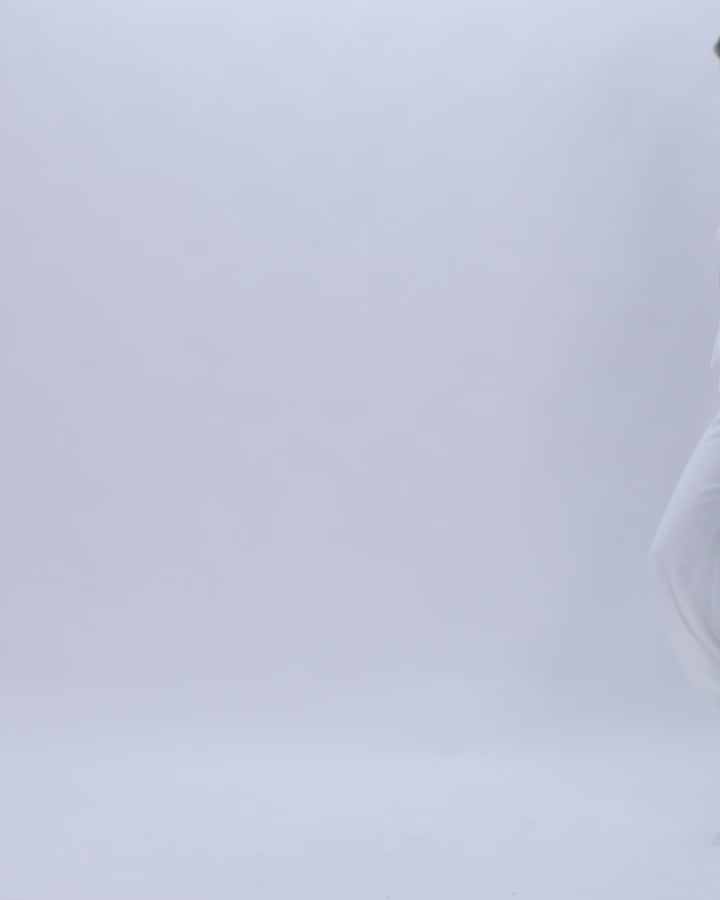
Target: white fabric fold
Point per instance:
(685, 556)
(715, 356)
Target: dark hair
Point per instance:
(716, 48)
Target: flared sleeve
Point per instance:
(715, 357)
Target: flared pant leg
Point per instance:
(684, 555)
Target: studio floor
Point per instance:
(102, 813)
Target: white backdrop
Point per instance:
(347, 344)
(349, 355)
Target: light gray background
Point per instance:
(349, 355)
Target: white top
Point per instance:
(715, 357)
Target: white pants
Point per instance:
(685, 555)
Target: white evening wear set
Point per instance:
(684, 555)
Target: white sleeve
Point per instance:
(715, 358)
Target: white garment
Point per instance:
(715, 357)
(685, 555)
